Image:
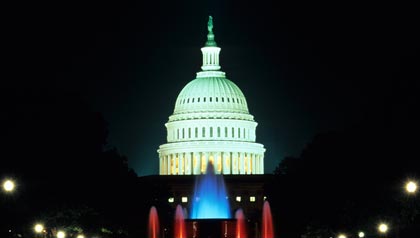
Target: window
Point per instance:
(184, 199)
(218, 131)
(203, 132)
(238, 198)
(171, 200)
(196, 132)
(252, 199)
(211, 132)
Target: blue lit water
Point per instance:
(210, 199)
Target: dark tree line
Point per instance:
(348, 180)
(68, 176)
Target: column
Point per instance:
(196, 164)
(234, 163)
(254, 171)
(171, 163)
(160, 165)
(218, 163)
(241, 163)
(205, 160)
(258, 164)
(181, 167)
(188, 164)
(261, 164)
(225, 163)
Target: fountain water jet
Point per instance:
(210, 199)
(267, 222)
(210, 210)
(153, 223)
(240, 224)
(179, 226)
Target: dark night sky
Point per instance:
(304, 67)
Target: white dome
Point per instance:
(211, 124)
(211, 94)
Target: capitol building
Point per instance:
(211, 123)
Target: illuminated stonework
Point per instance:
(211, 123)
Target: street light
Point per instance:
(383, 228)
(80, 236)
(39, 228)
(61, 234)
(361, 234)
(9, 185)
(411, 187)
(342, 236)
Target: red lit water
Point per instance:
(153, 223)
(179, 225)
(267, 222)
(240, 224)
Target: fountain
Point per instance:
(267, 222)
(210, 199)
(210, 214)
(210, 210)
(179, 225)
(153, 223)
(240, 224)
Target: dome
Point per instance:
(211, 124)
(211, 94)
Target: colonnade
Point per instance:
(224, 163)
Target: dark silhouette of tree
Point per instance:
(56, 146)
(346, 180)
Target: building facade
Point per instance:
(211, 123)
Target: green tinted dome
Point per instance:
(211, 94)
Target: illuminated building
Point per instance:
(211, 123)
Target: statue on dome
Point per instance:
(210, 24)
